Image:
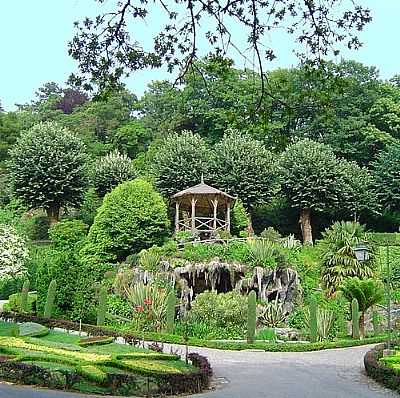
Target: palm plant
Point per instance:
(368, 292)
(338, 257)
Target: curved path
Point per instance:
(248, 374)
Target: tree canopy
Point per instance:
(106, 50)
(48, 168)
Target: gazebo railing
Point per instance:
(203, 224)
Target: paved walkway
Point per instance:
(324, 374)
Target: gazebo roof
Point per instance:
(204, 194)
(202, 189)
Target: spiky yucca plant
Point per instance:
(338, 257)
(273, 314)
(367, 292)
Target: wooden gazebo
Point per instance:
(203, 209)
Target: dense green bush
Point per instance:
(10, 286)
(234, 251)
(61, 263)
(14, 303)
(239, 219)
(37, 227)
(91, 202)
(118, 309)
(63, 267)
(224, 310)
(110, 171)
(132, 217)
(67, 233)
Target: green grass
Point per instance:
(115, 348)
(61, 337)
(7, 328)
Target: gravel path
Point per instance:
(248, 374)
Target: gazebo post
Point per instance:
(176, 216)
(228, 216)
(193, 215)
(215, 205)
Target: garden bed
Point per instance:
(384, 370)
(58, 361)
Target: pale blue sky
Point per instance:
(34, 36)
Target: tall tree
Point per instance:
(180, 162)
(48, 168)
(212, 99)
(243, 167)
(312, 181)
(386, 171)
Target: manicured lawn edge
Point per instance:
(270, 347)
(378, 371)
(134, 338)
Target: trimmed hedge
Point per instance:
(378, 371)
(142, 381)
(261, 345)
(134, 339)
(96, 340)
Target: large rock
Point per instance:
(281, 283)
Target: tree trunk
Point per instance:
(361, 322)
(54, 214)
(305, 225)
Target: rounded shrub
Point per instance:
(68, 233)
(110, 171)
(224, 311)
(132, 217)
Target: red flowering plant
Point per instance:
(148, 303)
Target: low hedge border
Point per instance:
(261, 345)
(95, 340)
(120, 384)
(378, 371)
(133, 338)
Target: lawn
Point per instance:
(57, 360)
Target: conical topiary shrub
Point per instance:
(251, 316)
(24, 296)
(51, 295)
(102, 306)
